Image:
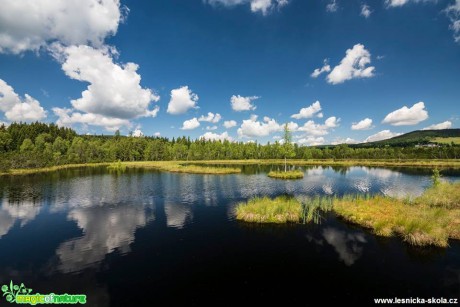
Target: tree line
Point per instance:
(37, 144)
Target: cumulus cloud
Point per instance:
(211, 127)
(353, 65)
(444, 125)
(25, 109)
(211, 117)
(254, 128)
(216, 137)
(309, 112)
(69, 117)
(230, 123)
(318, 71)
(339, 141)
(365, 11)
(240, 103)
(182, 100)
(364, 124)
(157, 134)
(137, 133)
(261, 6)
(382, 135)
(32, 24)
(311, 141)
(453, 12)
(314, 129)
(114, 89)
(407, 116)
(190, 124)
(332, 6)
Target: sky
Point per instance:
(335, 71)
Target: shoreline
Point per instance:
(170, 165)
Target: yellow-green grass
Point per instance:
(440, 163)
(455, 140)
(184, 167)
(286, 175)
(427, 220)
(282, 209)
(27, 171)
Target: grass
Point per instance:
(431, 219)
(286, 175)
(117, 166)
(283, 209)
(439, 140)
(184, 167)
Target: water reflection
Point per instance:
(348, 244)
(104, 231)
(24, 212)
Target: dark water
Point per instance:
(149, 238)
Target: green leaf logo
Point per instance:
(12, 290)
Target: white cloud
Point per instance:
(25, 109)
(353, 65)
(114, 90)
(230, 123)
(262, 6)
(444, 125)
(339, 141)
(190, 124)
(32, 24)
(182, 99)
(453, 12)
(69, 117)
(292, 126)
(314, 129)
(211, 127)
(254, 128)
(364, 124)
(407, 116)
(311, 141)
(318, 71)
(211, 117)
(332, 122)
(395, 3)
(157, 134)
(366, 11)
(137, 133)
(382, 135)
(240, 103)
(332, 6)
(216, 137)
(309, 112)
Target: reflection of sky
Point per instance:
(347, 244)
(24, 211)
(105, 229)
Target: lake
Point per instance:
(153, 238)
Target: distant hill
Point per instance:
(419, 137)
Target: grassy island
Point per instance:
(286, 175)
(431, 219)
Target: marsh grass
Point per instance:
(295, 174)
(184, 167)
(282, 209)
(314, 208)
(117, 167)
(420, 222)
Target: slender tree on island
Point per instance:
(287, 148)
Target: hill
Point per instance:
(419, 137)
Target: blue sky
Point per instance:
(336, 71)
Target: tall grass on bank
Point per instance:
(296, 174)
(117, 167)
(431, 219)
(184, 167)
(282, 209)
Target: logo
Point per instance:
(22, 295)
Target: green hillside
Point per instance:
(419, 137)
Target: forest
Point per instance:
(35, 145)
